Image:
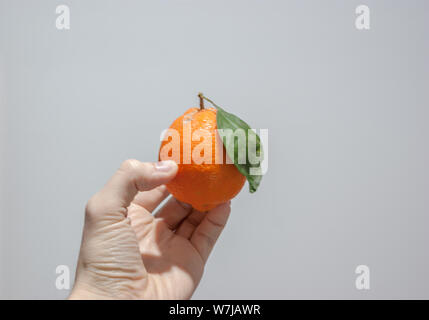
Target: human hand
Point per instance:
(128, 253)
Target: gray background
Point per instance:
(347, 113)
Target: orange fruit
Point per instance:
(210, 183)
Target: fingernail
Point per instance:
(166, 165)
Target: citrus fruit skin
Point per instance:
(205, 185)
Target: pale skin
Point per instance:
(129, 253)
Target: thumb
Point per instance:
(133, 176)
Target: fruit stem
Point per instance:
(201, 96)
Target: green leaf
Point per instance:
(229, 123)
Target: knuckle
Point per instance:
(193, 222)
(137, 172)
(130, 165)
(92, 206)
(130, 169)
(209, 238)
(215, 223)
(146, 168)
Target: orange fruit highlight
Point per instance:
(205, 185)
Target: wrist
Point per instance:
(79, 293)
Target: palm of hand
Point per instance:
(172, 263)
